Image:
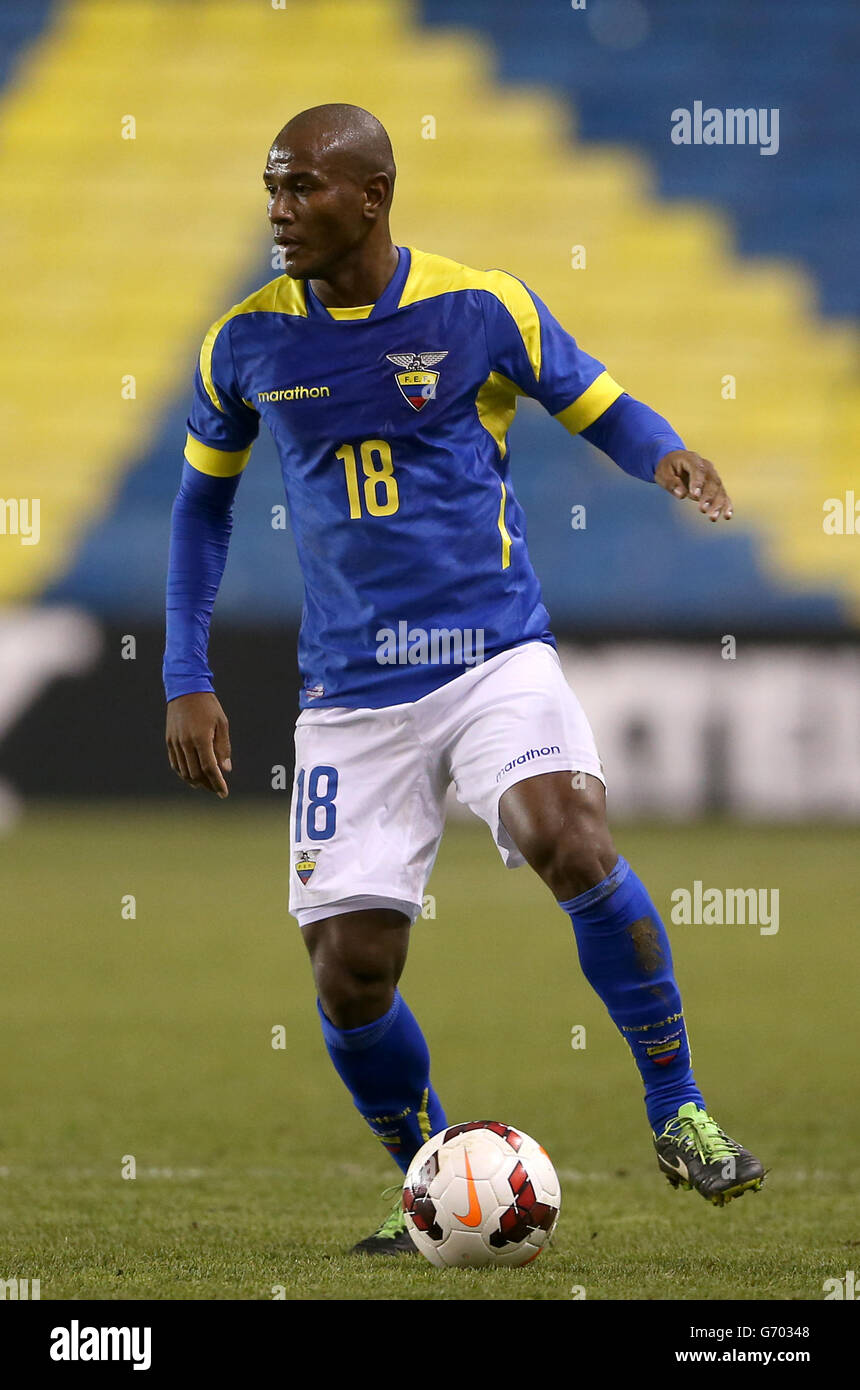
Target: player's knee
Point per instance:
(355, 969)
(351, 997)
(574, 860)
(571, 869)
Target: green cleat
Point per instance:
(694, 1152)
(392, 1238)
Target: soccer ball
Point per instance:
(481, 1193)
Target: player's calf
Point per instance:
(374, 1041)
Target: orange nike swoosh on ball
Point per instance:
(473, 1215)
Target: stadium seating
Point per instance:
(746, 53)
(154, 237)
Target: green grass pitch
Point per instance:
(152, 1037)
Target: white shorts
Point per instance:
(369, 792)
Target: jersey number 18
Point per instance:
(381, 497)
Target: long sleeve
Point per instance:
(634, 436)
(201, 523)
(222, 427)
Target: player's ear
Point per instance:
(376, 193)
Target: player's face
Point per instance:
(315, 209)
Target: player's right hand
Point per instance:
(198, 741)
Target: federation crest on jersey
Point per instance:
(306, 862)
(417, 381)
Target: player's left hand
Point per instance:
(686, 474)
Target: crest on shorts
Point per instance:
(306, 862)
(417, 382)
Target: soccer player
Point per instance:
(388, 377)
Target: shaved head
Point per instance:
(345, 135)
(330, 179)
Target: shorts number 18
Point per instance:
(315, 802)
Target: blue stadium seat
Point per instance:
(801, 60)
(21, 21)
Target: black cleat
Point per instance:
(392, 1238)
(694, 1152)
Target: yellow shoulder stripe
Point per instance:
(431, 275)
(218, 463)
(280, 296)
(588, 407)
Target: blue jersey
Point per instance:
(390, 422)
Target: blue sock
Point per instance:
(385, 1065)
(625, 956)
